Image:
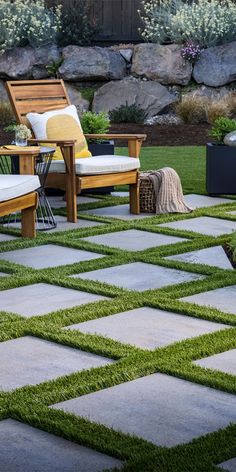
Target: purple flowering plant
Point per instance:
(191, 52)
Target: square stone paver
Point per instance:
(6, 237)
(59, 202)
(27, 449)
(148, 328)
(225, 362)
(120, 211)
(224, 299)
(162, 409)
(62, 224)
(139, 276)
(229, 465)
(200, 201)
(39, 299)
(212, 256)
(48, 255)
(133, 239)
(29, 361)
(120, 194)
(204, 225)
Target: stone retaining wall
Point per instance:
(149, 75)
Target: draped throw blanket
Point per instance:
(168, 191)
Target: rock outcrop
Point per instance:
(151, 96)
(216, 66)
(162, 63)
(91, 63)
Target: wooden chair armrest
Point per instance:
(58, 142)
(140, 137)
(134, 141)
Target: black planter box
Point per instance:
(101, 149)
(220, 169)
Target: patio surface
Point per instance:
(118, 341)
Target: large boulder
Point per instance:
(27, 62)
(150, 96)
(76, 98)
(162, 63)
(3, 92)
(87, 63)
(216, 66)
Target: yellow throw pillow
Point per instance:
(60, 124)
(65, 127)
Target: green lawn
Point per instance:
(188, 161)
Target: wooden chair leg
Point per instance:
(68, 154)
(28, 223)
(134, 198)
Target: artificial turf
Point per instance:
(31, 403)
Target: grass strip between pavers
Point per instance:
(31, 404)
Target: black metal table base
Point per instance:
(44, 220)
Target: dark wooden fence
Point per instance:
(118, 20)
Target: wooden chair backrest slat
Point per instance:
(38, 96)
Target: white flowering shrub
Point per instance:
(157, 17)
(204, 22)
(25, 22)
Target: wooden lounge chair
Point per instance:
(17, 193)
(44, 95)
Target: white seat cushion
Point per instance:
(99, 165)
(12, 186)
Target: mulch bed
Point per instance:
(157, 135)
(166, 135)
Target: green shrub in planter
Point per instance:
(128, 114)
(221, 127)
(221, 159)
(95, 123)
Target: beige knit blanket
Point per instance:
(168, 191)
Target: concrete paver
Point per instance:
(162, 409)
(139, 276)
(27, 449)
(148, 328)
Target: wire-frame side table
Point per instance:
(44, 216)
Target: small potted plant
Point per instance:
(97, 123)
(22, 134)
(221, 159)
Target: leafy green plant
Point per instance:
(53, 68)
(204, 22)
(128, 114)
(221, 127)
(95, 123)
(77, 25)
(88, 93)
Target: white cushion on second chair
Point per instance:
(99, 165)
(13, 186)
